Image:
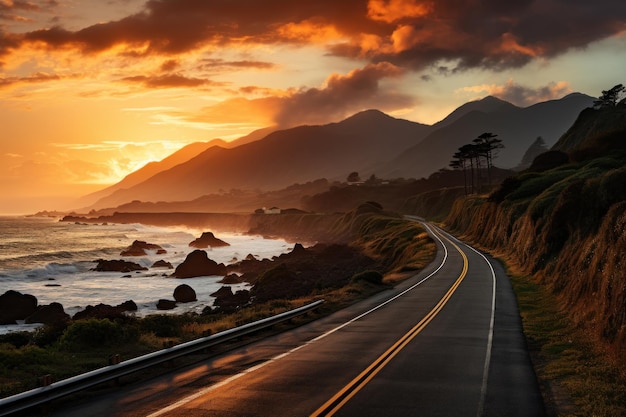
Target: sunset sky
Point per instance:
(91, 90)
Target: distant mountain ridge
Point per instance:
(517, 127)
(369, 142)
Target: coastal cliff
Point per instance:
(563, 221)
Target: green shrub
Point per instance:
(97, 333)
(49, 334)
(534, 184)
(373, 277)
(16, 339)
(507, 186)
(161, 325)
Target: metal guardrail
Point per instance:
(39, 396)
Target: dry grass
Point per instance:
(576, 379)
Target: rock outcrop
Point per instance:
(226, 301)
(139, 248)
(162, 264)
(231, 279)
(118, 266)
(105, 311)
(16, 306)
(184, 294)
(198, 264)
(208, 240)
(163, 304)
(51, 314)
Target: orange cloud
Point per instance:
(413, 33)
(308, 31)
(390, 11)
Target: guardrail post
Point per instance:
(45, 380)
(114, 359)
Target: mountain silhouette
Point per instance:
(369, 142)
(517, 127)
(282, 158)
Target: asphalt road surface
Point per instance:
(446, 342)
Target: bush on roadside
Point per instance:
(97, 333)
(162, 325)
(15, 339)
(373, 277)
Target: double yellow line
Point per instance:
(342, 397)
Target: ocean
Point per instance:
(53, 261)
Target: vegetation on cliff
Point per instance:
(564, 221)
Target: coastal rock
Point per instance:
(303, 270)
(128, 305)
(231, 279)
(207, 240)
(184, 294)
(139, 248)
(166, 304)
(298, 249)
(223, 291)
(162, 264)
(226, 301)
(105, 311)
(52, 314)
(118, 266)
(16, 306)
(198, 264)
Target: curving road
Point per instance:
(447, 342)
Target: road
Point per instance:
(446, 342)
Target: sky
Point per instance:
(91, 90)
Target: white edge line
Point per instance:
(202, 392)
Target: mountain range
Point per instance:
(369, 142)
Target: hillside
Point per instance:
(182, 155)
(563, 221)
(369, 142)
(282, 158)
(517, 127)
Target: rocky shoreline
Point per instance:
(286, 276)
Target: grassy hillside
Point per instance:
(564, 222)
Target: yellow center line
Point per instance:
(346, 393)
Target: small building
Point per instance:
(273, 210)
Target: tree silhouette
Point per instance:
(483, 148)
(353, 177)
(488, 145)
(611, 98)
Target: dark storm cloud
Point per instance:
(496, 34)
(452, 34)
(342, 96)
(175, 26)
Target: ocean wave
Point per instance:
(43, 260)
